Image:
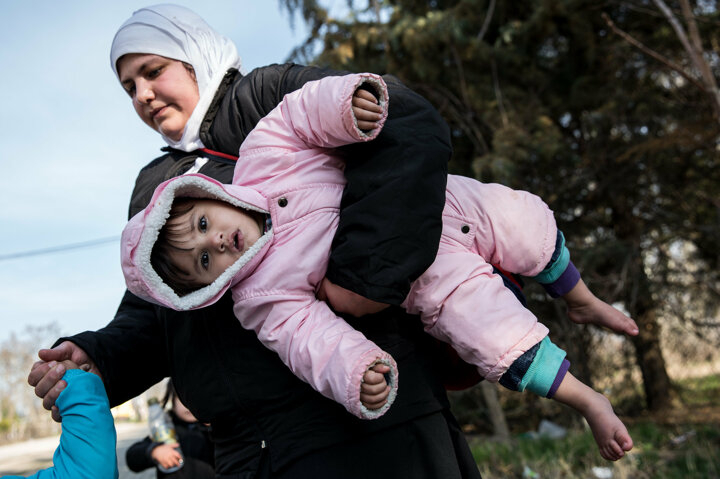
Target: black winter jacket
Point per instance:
(221, 372)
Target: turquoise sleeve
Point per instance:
(88, 440)
(541, 374)
(557, 265)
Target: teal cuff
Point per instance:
(556, 268)
(541, 374)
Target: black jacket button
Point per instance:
(465, 229)
(282, 202)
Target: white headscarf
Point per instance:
(176, 32)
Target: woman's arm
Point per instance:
(390, 218)
(130, 352)
(319, 115)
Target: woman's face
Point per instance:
(182, 412)
(164, 92)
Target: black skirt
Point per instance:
(429, 447)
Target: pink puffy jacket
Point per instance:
(287, 168)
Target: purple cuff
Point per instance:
(564, 283)
(558, 378)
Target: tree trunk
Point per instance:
(656, 382)
(497, 416)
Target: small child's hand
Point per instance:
(71, 365)
(366, 109)
(167, 455)
(374, 390)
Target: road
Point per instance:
(28, 457)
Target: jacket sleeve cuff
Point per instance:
(564, 367)
(557, 264)
(542, 372)
(566, 282)
(513, 376)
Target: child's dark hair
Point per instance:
(177, 278)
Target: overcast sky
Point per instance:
(71, 146)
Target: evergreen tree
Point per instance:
(600, 108)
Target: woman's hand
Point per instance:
(46, 375)
(343, 300)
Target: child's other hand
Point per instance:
(366, 110)
(71, 365)
(167, 455)
(345, 301)
(374, 390)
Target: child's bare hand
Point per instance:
(167, 455)
(72, 365)
(374, 390)
(366, 109)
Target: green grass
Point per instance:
(700, 391)
(654, 456)
(684, 444)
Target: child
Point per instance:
(274, 233)
(87, 442)
(193, 439)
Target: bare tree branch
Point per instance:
(702, 64)
(498, 93)
(486, 23)
(693, 48)
(650, 52)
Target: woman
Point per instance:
(267, 423)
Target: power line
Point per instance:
(58, 249)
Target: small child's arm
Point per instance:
(516, 231)
(320, 116)
(321, 349)
(560, 278)
(543, 370)
(88, 439)
(326, 113)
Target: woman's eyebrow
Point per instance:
(140, 71)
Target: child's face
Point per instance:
(163, 91)
(216, 234)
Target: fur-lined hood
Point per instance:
(140, 234)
